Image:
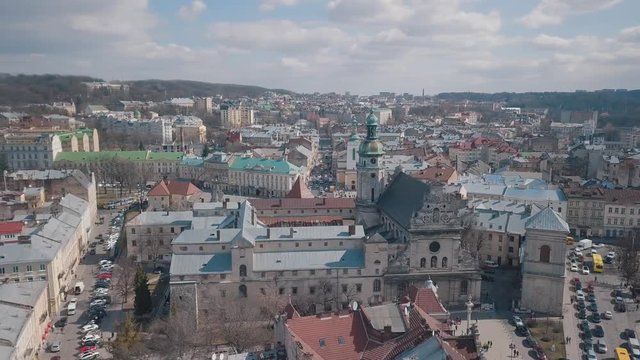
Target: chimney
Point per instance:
(253, 216)
(268, 233)
(387, 333)
(218, 235)
(352, 229)
(224, 203)
(292, 231)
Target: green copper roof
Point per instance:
(65, 137)
(264, 165)
(371, 147)
(354, 137)
(372, 119)
(77, 156)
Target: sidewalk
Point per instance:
(570, 323)
(501, 334)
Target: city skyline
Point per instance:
(338, 45)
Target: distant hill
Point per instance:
(40, 89)
(619, 107)
(155, 89)
(43, 89)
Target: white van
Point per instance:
(71, 308)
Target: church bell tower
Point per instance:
(371, 177)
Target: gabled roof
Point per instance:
(173, 187)
(549, 220)
(403, 197)
(300, 191)
(426, 299)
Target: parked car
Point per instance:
(580, 295)
(62, 322)
(540, 355)
(89, 355)
(591, 355)
(629, 334)
(585, 270)
(88, 348)
(598, 331)
(490, 264)
(517, 321)
(90, 327)
(595, 317)
(601, 347)
(574, 267)
(582, 314)
(593, 307)
(90, 337)
(55, 347)
(608, 315)
(95, 342)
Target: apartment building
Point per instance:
(148, 164)
(50, 253)
(149, 235)
(262, 177)
(30, 150)
(203, 104)
(585, 210)
(621, 212)
(232, 117)
(189, 130)
(25, 319)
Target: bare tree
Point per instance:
(349, 293)
(124, 274)
(240, 322)
(174, 337)
(271, 300)
(325, 293)
(628, 257)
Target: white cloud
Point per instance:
(192, 11)
(269, 5)
(276, 35)
(553, 12)
(548, 41)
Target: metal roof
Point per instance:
(385, 315)
(308, 260)
(162, 218)
(197, 264)
(547, 219)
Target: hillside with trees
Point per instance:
(20, 90)
(617, 107)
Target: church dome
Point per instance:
(354, 137)
(371, 147)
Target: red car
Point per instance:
(85, 349)
(104, 276)
(575, 280)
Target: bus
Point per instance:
(622, 354)
(597, 263)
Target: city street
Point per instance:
(613, 337)
(70, 335)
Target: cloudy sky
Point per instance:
(362, 46)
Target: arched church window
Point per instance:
(444, 262)
(545, 253)
(434, 261)
(423, 263)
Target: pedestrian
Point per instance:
(596, 278)
(571, 300)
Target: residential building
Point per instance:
(35, 151)
(263, 177)
(203, 105)
(383, 115)
(51, 253)
(174, 195)
(621, 212)
(232, 117)
(190, 130)
(585, 210)
(442, 174)
(149, 234)
(498, 230)
(403, 330)
(25, 319)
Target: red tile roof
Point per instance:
(12, 227)
(300, 191)
(319, 203)
(322, 334)
(435, 173)
(426, 299)
(173, 187)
